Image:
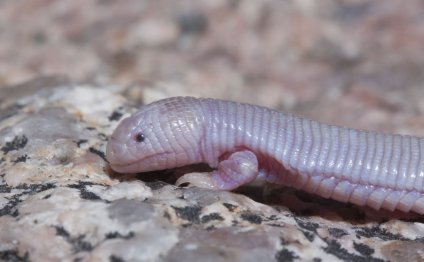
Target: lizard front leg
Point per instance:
(239, 168)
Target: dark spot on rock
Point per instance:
(252, 218)
(230, 207)
(90, 128)
(308, 229)
(17, 143)
(84, 193)
(10, 208)
(60, 231)
(363, 249)
(114, 258)
(285, 255)
(310, 236)
(78, 243)
(316, 259)
(337, 232)
(379, 233)
(47, 196)
(189, 213)
(35, 188)
(155, 185)
(114, 235)
(89, 195)
(307, 225)
(5, 189)
(98, 152)
(12, 255)
(16, 212)
(212, 216)
(115, 116)
(210, 228)
(81, 141)
(193, 22)
(272, 217)
(334, 248)
(22, 158)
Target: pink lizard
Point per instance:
(244, 142)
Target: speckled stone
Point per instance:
(59, 200)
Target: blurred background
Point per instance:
(356, 63)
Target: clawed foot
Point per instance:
(240, 168)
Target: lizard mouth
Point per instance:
(136, 166)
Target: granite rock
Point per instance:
(60, 201)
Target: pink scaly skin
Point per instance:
(244, 142)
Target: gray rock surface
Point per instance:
(59, 201)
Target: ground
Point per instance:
(70, 70)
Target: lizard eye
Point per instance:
(139, 137)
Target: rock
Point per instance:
(59, 200)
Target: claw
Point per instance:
(202, 180)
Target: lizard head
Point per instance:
(164, 134)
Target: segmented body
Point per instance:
(365, 168)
